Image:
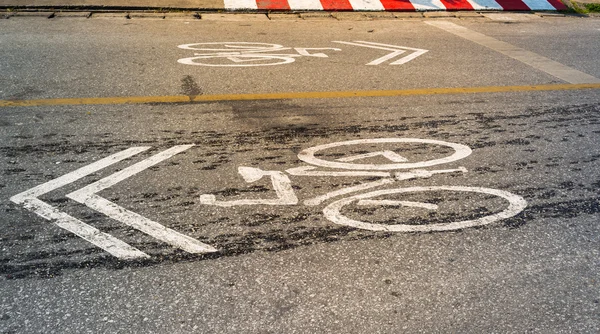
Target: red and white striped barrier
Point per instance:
(395, 5)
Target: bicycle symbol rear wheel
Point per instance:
(233, 46)
(332, 212)
(239, 60)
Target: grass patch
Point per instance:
(584, 8)
(592, 7)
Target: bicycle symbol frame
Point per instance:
(387, 174)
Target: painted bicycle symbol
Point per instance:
(339, 211)
(244, 54)
(249, 54)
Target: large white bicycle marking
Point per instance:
(283, 192)
(332, 212)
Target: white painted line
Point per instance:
(423, 173)
(532, 59)
(281, 183)
(364, 186)
(240, 4)
(390, 155)
(366, 5)
(485, 5)
(87, 195)
(396, 50)
(305, 5)
(77, 174)
(409, 57)
(539, 5)
(308, 155)
(100, 239)
(143, 224)
(423, 5)
(305, 52)
(389, 47)
(310, 171)
(372, 202)
(106, 242)
(126, 173)
(516, 204)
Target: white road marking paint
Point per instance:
(516, 205)
(390, 155)
(423, 5)
(241, 60)
(233, 46)
(241, 4)
(422, 173)
(532, 59)
(373, 202)
(539, 4)
(305, 4)
(485, 5)
(397, 50)
(87, 195)
(100, 239)
(364, 186)
(308, 155)
(281, 184)
(310, 171)
(400, 176)
(367, 4)
(304, 52)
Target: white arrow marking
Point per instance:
(105, 241)
(87, 196)
(396, 51)
(390, 155)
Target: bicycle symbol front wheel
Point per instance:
(333, 211)
(309, 155)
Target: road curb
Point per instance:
(267, 6)
(282, 16)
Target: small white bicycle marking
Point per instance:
(250, 54)
(285, 193)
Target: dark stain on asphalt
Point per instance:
(189, 87)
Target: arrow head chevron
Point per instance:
(87, 195)
(396, 51)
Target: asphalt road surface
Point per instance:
(322, 176)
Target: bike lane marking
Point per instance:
(282, 187)
(87, 195)
(257, 53)
(29, 200)
(532, 59)
(119, 100)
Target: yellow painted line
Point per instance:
(293, 95)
